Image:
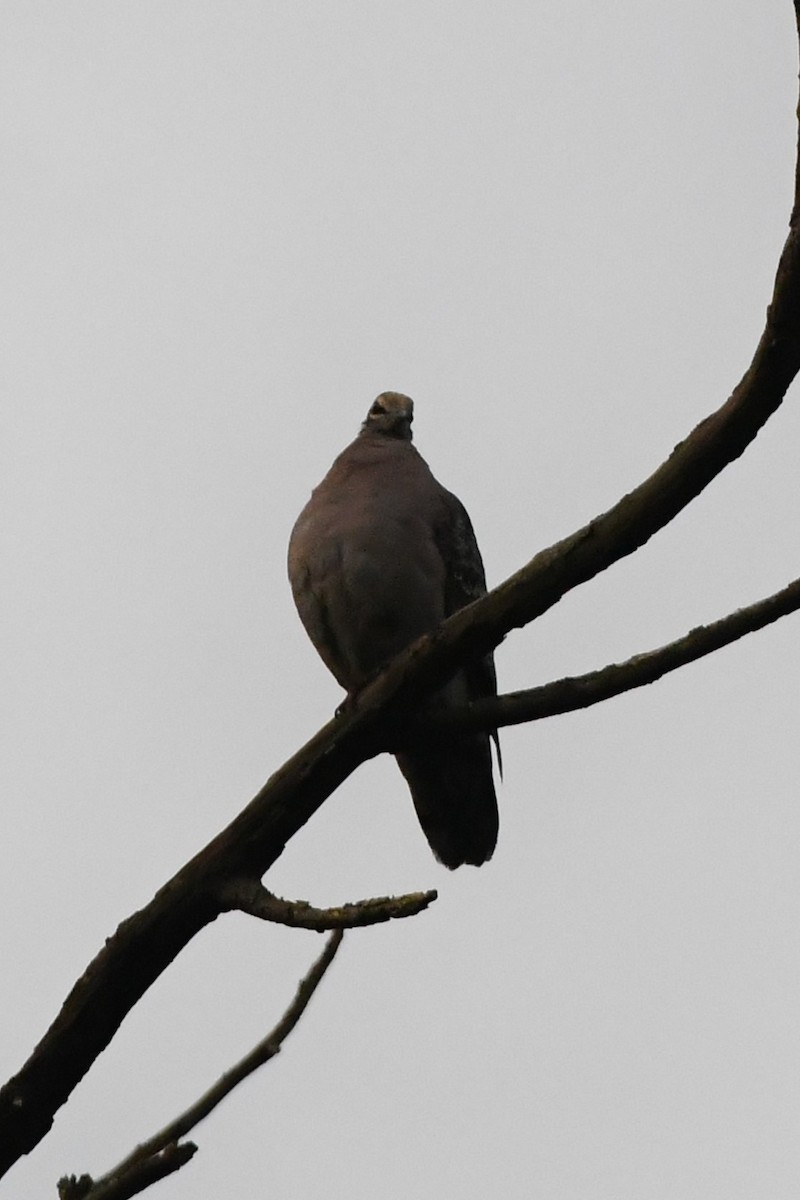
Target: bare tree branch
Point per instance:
(581, 691)
(141, 1168)
(140, 1176)
(250, 896)
(147, 942)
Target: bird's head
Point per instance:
(390, 414)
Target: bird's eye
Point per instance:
(377, 409)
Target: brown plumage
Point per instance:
(381, 554)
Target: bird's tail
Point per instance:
(453, 791)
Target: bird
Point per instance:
(380, 555)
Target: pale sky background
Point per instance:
(226, 227)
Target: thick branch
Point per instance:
(144, 945)
(694, 463)
(250, 896)
(141, 1165)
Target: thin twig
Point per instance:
(251, 897)
(136, 1179)
(115, 1185)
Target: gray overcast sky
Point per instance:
(226, 228)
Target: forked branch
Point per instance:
(582, 691)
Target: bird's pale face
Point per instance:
(391, 414)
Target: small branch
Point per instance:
(581, 691)
(135, 1180)
(253, 898)
(142, 1163)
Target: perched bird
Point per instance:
(380, 555)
